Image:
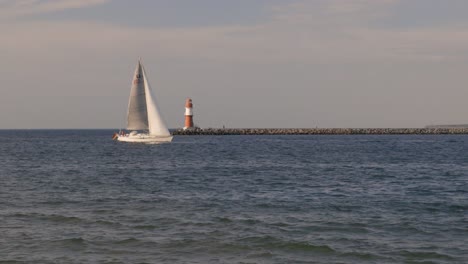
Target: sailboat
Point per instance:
(143, 118)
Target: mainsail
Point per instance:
(137, 117)
(143, 112)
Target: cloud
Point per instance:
(16, 8)
(354, 30)
(359, 6)
(311, 31)
(332, 12)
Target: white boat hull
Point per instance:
(144, 138)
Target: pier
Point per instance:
(321, 131)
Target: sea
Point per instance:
(77, 196)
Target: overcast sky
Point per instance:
(245, 63)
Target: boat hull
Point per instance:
(144, 138)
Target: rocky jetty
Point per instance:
(321, 131)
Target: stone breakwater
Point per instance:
(321, 131)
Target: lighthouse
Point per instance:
(188, 114)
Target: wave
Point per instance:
(128, 241)
(363, 256)
(48, 217)
(62, 218)
(424, 255)
(269, 242)
(76, 242)
(145, 227)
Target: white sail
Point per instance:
(137, 116)
(156, 124)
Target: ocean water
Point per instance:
(76, 196)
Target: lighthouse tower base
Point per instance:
(191, 128)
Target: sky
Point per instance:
(245, 63)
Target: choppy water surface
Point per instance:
(79, 197)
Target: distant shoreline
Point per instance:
(322, 131)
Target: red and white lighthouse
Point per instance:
(188, 114)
